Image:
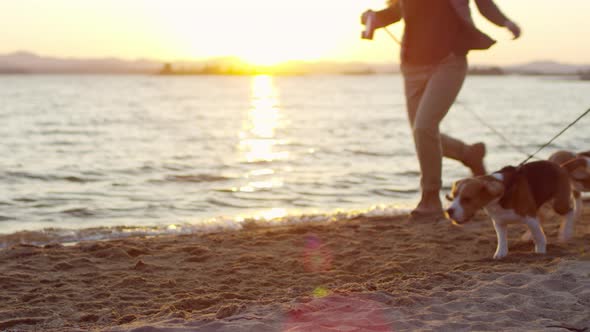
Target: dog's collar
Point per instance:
(498, 176)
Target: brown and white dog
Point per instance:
(515, 194)
(579, 167)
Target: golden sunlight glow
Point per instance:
(259, 32)
(263, 32)
(258, 185)
(258, 141)
(265, 53)
(263, 57)
(271, 214)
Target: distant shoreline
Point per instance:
(27, 63)
(581, 77)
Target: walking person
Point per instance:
(438, 35)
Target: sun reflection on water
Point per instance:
(265, 215)
(258, 140)
(260, 146)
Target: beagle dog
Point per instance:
(516, 194)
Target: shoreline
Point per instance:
(268, 218)
(382, 272)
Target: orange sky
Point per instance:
(266, 31)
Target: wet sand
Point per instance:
(365, 274)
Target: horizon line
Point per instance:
(238, 59)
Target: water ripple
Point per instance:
(196, 178)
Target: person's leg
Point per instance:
(440, 93)
(415, 81)
(470, 155)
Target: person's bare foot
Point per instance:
(429, 209)
(474, 159)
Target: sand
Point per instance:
(365, 274)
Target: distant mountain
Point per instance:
(548, 68)
(30, 63)
(26, 62)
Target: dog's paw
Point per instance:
(527, 236)
(564, 238)
(540, 250)
(500, 254)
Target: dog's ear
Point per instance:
(494, 188)
(576, 168)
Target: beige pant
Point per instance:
(430, 92)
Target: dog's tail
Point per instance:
(560, 157)
(576, 167)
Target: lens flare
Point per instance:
(320, 292)
(316, 258)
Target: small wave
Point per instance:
(324, 193)
(26, 175)
(196, 178)
(304, 203)
(370, 153)
(78, 212)
(24, 200)
(372, 176)
(408, 173)
(221, 203)
(219, 224)
(63, 143)
(5, 218)
(394, 192)
(260, 162)
(270, 197)
(52, 132)
(48, 177)
(42, 206)
(75, 179)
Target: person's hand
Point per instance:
(513, 27)
(364, 16)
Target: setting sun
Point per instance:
(262, 53)
(261, 33)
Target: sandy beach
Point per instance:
(251, 166)
(365, 274)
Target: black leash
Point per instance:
(498, 133)
(514, 146)
(556, 136)
(395, 39)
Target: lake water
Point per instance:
(106, 156)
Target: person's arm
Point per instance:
(473, 38)
(462, 9)
(386, 16)
(490, 11)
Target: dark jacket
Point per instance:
(434, 29)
